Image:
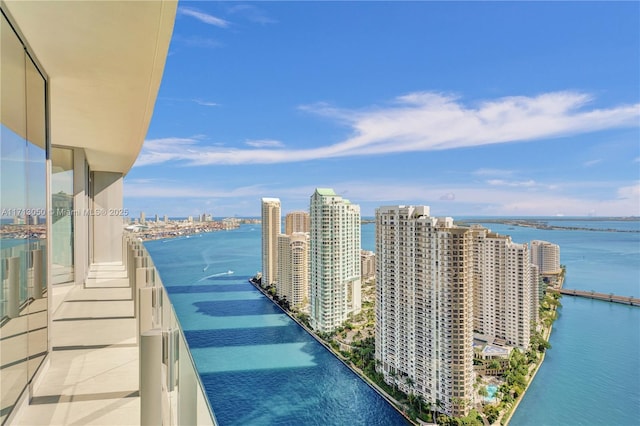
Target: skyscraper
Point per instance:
(334, 259)
(546, 256)
(271, 226)
(293, 268)
(504, 284)
(424, 306)
(297, 221)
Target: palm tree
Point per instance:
(394, 376)
(419, 403)
(409, 382)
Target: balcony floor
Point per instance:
(92, 378)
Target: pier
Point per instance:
(627, 300)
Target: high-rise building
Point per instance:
(293, 268)
(143, 219)
(297, 221)
(503, 288)
(367, 264)
(271, 228)
(546, 256)
(334, 278)
(424, 306)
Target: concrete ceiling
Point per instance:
(104, 61)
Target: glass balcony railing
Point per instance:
(176, 396)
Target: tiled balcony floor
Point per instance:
(92, 378)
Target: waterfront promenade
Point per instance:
(627, 300)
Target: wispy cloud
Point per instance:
(252, 13)
(618, 199)
(449, 196)
(203, 17)
(592, 162)
(265, 143)
(205, 103)
(426, 121)
(493, 172)
(517, 184)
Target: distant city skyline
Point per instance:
(476, 109)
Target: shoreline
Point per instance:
(542, 224)
(546, 336)
(339, 357)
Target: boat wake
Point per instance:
(221, 274)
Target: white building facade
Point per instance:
(546, 256)
(334, 278)
(424, 306)
(505, 285)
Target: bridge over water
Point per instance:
(610, 297)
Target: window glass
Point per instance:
(23, 204)
(62, 214)
(14, 233)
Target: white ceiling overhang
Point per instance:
(104, 61)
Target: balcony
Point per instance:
(136, 370)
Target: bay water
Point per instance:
(260, 368)
(257, 365)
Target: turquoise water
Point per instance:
(260, 368)
(257, 365)
(491, 393)
(591, 375)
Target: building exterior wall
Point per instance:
(546, 256)
(293, 268)
(296, 222)
(271, 228)
(368, 264)
(334, 260)
(424, 303)
(107, 217)
(503, 288)
(45, 77)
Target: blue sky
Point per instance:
(480, 108)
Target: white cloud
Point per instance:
(203, 17)
(426, 121)
(205, 103)
(518, 184)
(449, 196)
(592, 162)
(265, 143)
(631, 192)
(444, 199)
(493, 172)
(157, 189)
(198, 41)
(252, 13)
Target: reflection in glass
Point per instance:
(37, 228)
(13, 171)
(23, 304)
(62, 214)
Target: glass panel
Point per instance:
(62, 217)
(36, 212)
(183, 398)
(14, 236)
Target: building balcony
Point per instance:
(118, 354)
